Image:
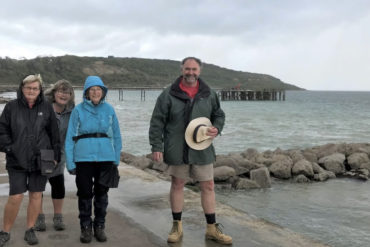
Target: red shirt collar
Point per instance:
(191, 91)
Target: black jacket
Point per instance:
(24, 131)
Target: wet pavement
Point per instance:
(139, 215)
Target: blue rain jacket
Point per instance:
(87, 118)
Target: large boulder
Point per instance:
(159, 166)
(317, 168)
(281, 169)
(323, 176)
(162, 175)
(243, 163)
(363, 173)
(223, 160)
(233, 161)
(279, 151)
(245, 183)
(141, 162)
(358, 160)
(127, 157)
(261, 159)
(296, 156)
(301, 179)
(222, 173)
(282, 157)
(333, 163)
(358, 173)
(365, 166)
(320, 173)
(310, 155)
(268, 153)
(357, 148)
(223, 186)
(261, 176)
(329, 149)
(250, 154)
(303, 167)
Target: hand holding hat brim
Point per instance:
(196, 134)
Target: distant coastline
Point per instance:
(131, 72)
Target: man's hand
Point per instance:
(212, 132)
(157, 156)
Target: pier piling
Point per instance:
(250, 95)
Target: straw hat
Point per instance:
(196, 133)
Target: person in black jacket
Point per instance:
(27, 125)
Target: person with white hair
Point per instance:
(27, 126)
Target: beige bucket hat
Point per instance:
(196, 133)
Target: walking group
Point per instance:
(41, 133)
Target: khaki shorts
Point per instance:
(197, 172)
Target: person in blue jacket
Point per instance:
(93, 145)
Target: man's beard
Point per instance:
(190, 78)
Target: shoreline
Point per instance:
(251, 169)
(141, 204)
(141, 201)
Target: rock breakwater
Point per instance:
(252, 169)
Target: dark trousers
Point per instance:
(58, 189)
(88, 190)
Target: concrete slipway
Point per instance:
(139, 215)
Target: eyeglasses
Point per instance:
(35, 89)
(61, 92)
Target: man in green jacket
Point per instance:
(188, 98)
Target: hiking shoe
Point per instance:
(30, 237)
(58, 222)
(214, 233)
(100, 234)
(4, 237)
(86, 234)
(40, 223)
(176, 232)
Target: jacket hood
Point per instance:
(92, 81)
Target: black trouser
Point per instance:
(89, 188)
(58, 190)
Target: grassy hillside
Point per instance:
(128, 72)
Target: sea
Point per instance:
(335, 212)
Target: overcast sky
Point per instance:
(316, 44)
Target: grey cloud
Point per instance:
(258, 36)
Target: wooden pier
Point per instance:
(223, 94)
(142, 91)
(250, 95)
(122, 89)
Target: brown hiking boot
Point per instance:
(176, 232)
(214, 233)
